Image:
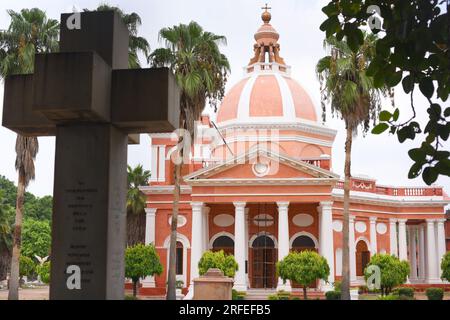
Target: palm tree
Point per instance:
(136, 44)
(135, 204)
(201, 72)
(29, 32)
(353, 97)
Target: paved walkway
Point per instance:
(28, 294)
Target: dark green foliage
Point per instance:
(413, 49)
(407, 292)
(435, 294)
(333, 295)
(445, 267)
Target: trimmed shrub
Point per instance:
(273, 297)
(435, 293)
(404, 291)
(333, 295)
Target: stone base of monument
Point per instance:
(354, 294)
(213, 286)
(179, 294)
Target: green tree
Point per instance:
(135, 204)
(414, 49)
(26, 267)
(141, 261)
(201, 72)
(6, 227)
(304, 268)
(36, 238)
(29, 32)
(350, 92)
(445, 266)
(225, 262)
(136, 44)
(39, 208)
(43, 271)
(393, 271)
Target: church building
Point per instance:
(259, 183)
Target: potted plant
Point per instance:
(179, 284)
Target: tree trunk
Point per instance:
(13, 293)
(135, 283)
(171, 281)
(345, 285)
(305, 296)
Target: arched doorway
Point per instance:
(362, 257)
(263, 262)
(224, 243)
(302, 243)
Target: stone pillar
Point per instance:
(196, 244)
(373, 235)
(326, 245)
(393, 236)
(421, 238)
(240, 283)
(150, 215)
(402, 244)
(441, 247)
(352, 248)
(413, 253)
(283, 239)
(432, 276)
(246, 246)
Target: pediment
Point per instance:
(259, 166)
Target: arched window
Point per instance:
(362, 257)
(179, 258)
(224, 243)
(263, 242)
(303, 242)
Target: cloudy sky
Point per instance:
(297, 21)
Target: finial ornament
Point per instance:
(266, 16)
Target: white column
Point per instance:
(393, 236)
(373, 235)
(421, 237)
(283, 239)
(440, 243)
(412, 253)
(247, 279)
(196, 243)
(402, 244)
(326, 241)
(352, 250)
(240, 283)
(150, 230)
(432, 276)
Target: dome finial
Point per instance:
(266, 16)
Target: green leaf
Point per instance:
(330, 9)
(385, 115)
(415, 170)
(430, 175)
(408, 84)
(426, 87)
(393, 78)
(418, 155)
(396, 114)
(447, 112)
(443, 167)
(380, 128)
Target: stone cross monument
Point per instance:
(86, 96)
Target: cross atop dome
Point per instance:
(266, 49)
(266, 16)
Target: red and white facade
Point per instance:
(271, 189)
